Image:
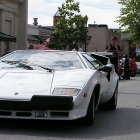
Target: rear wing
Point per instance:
(103, 57)
(108, 54)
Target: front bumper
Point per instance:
(39, 103)
(50, 114)
(55, 108)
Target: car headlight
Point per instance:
(66, 91)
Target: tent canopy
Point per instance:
(32, 38)
(40, 38)
(7, 38)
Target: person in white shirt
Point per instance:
(137, 50)
(123, 60)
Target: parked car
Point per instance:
(138, 65)
(56, 85)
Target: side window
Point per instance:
(92, 61)
(89, 64)
(96, 64)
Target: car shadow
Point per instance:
(123, 121)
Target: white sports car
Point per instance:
(56, 85)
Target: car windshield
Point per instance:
(55, 60)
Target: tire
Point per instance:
(89, 118)
(112, 103)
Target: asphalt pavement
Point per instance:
(121, 124)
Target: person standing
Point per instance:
(75, 47)
(127, 67)
(67, 48)
(137, 50)
(80, 49)
(31, 46)
(133, 66)
(115, 48)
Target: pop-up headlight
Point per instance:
(66, 91)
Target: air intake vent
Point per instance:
(64, 114)
(5, 113)
(24, 114)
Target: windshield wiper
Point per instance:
(26, 65)
(10, 62)
(20, 64)
(50, 70)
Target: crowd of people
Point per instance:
(125, 65)
(128, 67)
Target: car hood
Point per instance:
(23, 84)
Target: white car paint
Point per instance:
(21, 85)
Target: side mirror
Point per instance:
(105, 69)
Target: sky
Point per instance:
(98, 11)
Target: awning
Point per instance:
(32, 38)
(40, 38)
(7, 38)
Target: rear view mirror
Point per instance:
(105, 69)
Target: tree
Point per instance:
(71, 27)
(129, 19)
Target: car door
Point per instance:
(94, 64)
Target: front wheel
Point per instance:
(112, 103)
(89, 118)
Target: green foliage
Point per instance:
(71, 27)
(129, 19)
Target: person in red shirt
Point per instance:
(133, 65)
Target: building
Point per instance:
(13, 21)
(126, 43)
(56, 18)
(32, 31)
(101, 36)
(38, 34)
(45, 31)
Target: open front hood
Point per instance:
(23, 85)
